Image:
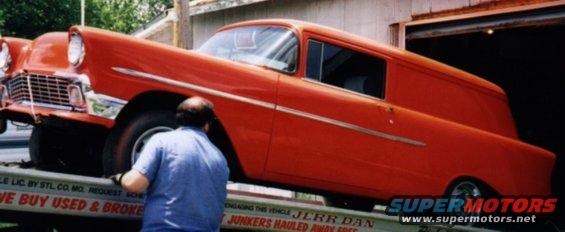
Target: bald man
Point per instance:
(184, 174)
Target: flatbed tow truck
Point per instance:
(46, 196)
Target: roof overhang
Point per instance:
(198, 7)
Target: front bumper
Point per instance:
(23, 114)
(46, 96)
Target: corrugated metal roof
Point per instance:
(206, 6)
(201, 2)
(197, 7)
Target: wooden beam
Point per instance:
(176, 24)
(182, 26)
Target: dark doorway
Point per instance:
(529, 64)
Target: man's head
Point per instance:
(195, 112)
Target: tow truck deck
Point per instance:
(29, 191)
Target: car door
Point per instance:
(331, 128)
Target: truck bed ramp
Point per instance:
(33, 191)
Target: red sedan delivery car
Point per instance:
(298, 105)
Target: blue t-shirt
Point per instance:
(188, 177)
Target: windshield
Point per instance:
(267, 46)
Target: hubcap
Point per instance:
(143, 139)
(465, 190)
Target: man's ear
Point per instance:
(206, 127)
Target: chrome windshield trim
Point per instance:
(268, 105)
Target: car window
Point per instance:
(345, 68)
(267, 46)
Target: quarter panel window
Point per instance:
(346, 68)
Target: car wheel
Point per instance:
(465, 189)
(51, 149)
(360, 204)
(127, 139)
(44, 149)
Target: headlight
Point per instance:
(75, 51)
(5, 58)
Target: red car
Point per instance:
(298, 105)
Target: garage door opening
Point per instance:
(529, 64)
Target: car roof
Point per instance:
(301, 26)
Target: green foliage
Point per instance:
(31, 18)
(126, 16)
(1, 19)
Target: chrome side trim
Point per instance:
(268, 105)
(350, 126)
(193, 87)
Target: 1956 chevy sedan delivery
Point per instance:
(298, 105)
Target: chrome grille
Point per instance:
(46, 90)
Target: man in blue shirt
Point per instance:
(184, 173)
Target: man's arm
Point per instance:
(132, 181)
(143, 171)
